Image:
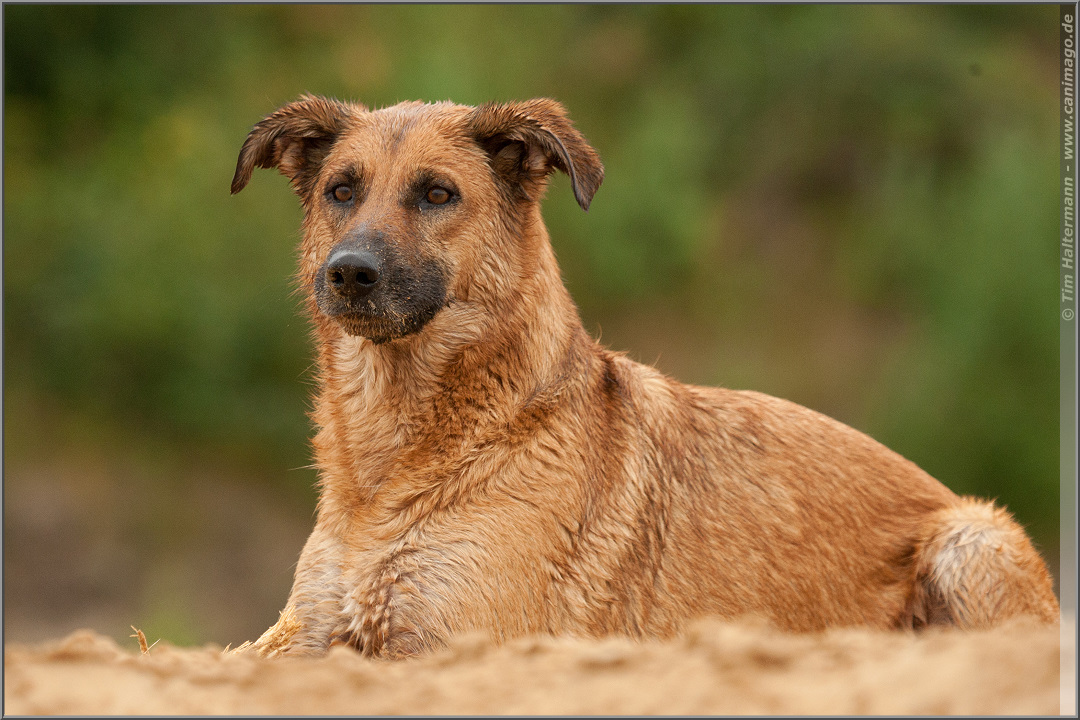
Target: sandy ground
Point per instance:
(713, 668)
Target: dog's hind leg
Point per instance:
(976, 567)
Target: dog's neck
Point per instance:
(472, 374)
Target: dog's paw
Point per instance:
(277, 640)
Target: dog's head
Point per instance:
(412, 206)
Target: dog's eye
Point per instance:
(437, 195)
(342, 193)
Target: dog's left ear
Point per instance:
(526, 141)
(296, 139)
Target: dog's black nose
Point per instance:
(352, 274)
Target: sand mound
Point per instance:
(714, 668)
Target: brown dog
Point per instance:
(485, 464)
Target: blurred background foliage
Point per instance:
(852, 207)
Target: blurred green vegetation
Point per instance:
(854, 207)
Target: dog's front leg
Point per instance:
(391, 615)
(312, 619)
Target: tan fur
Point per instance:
(498, 469)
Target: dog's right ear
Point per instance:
(296, 139)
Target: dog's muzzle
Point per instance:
(370, 291)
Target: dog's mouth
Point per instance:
(379, 328)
